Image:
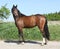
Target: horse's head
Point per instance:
(15, 10)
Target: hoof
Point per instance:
(44, 44)
(22, 43)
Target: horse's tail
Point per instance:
(46, 31)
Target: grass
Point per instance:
(54, 32)
(8, 31)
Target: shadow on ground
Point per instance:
(19, 42)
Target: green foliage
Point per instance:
(1, 21)
(8, 31)
(53, 16)
(4, 12)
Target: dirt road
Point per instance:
(29, 45)
(53, 22)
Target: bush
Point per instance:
(53, 16)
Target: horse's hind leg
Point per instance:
(41, 27)
(44, 36)
(44, 39)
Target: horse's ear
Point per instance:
(13, 5)
(16, 6)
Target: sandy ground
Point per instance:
(29, 45)
(53, 22)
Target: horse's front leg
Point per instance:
(21, 37)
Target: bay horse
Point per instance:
(23, 21)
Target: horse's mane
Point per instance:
(20, 14)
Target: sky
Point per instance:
(29, 7)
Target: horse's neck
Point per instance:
(16, 18)
(22, 14)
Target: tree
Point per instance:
(4, 12)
